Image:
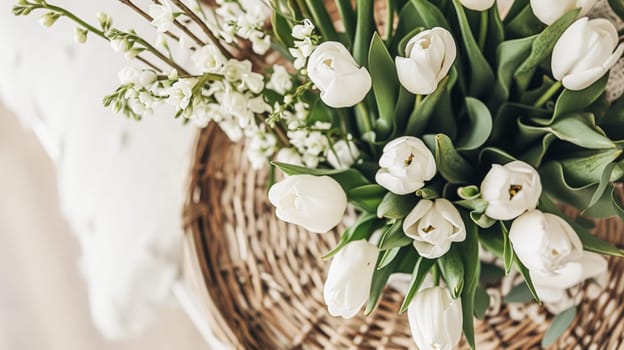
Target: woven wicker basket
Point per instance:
(262, 279)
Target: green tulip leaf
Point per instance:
(574, 101)
(364, 29)
(469, 249)
(451, 165)
(429, 15)
(394, 206)
(618, 7)
(523, 24)
(367, 197)
(508, 253)
(380, 278)
(347, 17)
(527, 278)
(559, 325)
(363, 228)
(542, 48)
(491, 274)
(452, 269)
(385, 82)
(423, 111)
(481, 77)
(322, 20)
(422, 268)
(388, 257)
(478, 128)
(348, 179)
(393, 237)
(282, 29)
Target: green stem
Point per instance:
(418, 100)
(548, 94)
(483, 29)
(389, 20)
(364, 122)
(435, 274)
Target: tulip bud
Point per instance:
(430, 55)
(406, 163)
(349, 278)
(548, 12)
(343, 154)
(343, 83)
(477, 5)
(316, 203)
(585, 52)
(544, 242)
(434, 226)
(435, 319)
(510, 190)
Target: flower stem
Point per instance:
(364, 122)
(435, 274)
(548, 94)
(483, 29)
(389, 20)
(203, 26)
(147, 17)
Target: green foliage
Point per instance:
(385, 84)
(559, 325)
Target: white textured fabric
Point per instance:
(122, 184)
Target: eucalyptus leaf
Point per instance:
(559, 325)
(418, 277)
(519, 294)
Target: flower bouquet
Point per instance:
(452, 130)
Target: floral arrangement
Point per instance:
(451, 129)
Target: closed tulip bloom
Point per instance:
(343, 83)
(585, 52)
(349, 278)
(544, 242)
(435, 319)
(549, 11)
(510, 190)
(430, 56)
(317, 203)
(406, 163)
(478, 5)
(434, 226)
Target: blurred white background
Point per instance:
(43, 298)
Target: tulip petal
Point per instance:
(410, 223)
(582, 80)
(569, 48)
(414, 77)
(347, 90)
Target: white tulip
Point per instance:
(317, 203)
(434, 226)
(430, 55)
(406, 163)
(478, 5)
(548, 12)
(343, 155)
(343, 83)
(349, 278)
(551, 287)
(585, 52)
(510, 190)
(544, 242)
(435, 319)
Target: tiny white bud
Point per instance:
(80, 35)
(48, 19)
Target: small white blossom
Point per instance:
(162, 15)
(181, 92)
(302, 31)
(281, 80)
(208, 59)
